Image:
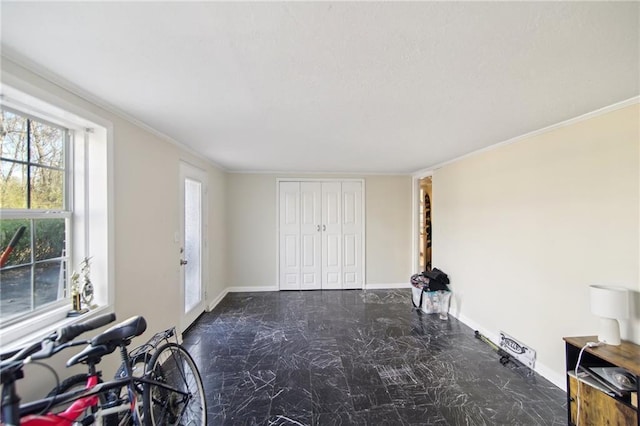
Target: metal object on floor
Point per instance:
(506, 358)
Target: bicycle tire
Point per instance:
(172, 365)
(78, 381)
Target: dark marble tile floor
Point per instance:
(356, 358)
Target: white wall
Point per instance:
(146, 218)
(217, 235)
(389, 238)
(252, 224)
(524, 229)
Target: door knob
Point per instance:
(318, 228)
(324, 227)
(183, 262)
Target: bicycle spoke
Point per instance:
(182, 402)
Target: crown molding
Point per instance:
(10, 55)
(303, 173)
(601, 111)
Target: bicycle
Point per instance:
(11, 370)
(170, 388)
(155, 352)
(110, 408)
(138, 360)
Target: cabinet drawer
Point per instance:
(598, 408)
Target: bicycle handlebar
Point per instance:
(64, 335)
(11, 368)
(70, 332)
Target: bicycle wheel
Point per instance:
(181, 401)
(77, 382)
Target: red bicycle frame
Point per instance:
(68, 416)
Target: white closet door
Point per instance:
(290, 236)
(352, 230)
(331, 235)
(310, 235)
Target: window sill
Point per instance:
(31, 330)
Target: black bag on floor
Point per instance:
(428, 281)
(438, 280)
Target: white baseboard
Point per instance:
(247, 289)
(557, 379)
(386, 286)
(242, 289)
(217, 300)
(228, 290)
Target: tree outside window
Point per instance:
(34, 204)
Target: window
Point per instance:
(54, 205)
(35, 215)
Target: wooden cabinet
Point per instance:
(597, 407)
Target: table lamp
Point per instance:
(610, 304)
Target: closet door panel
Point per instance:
(290, 267)
(311, 235)
(352, 234)
(331, 235)
(321, 234)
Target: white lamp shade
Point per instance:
(609, 302)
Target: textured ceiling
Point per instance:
(336, 87)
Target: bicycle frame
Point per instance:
(11, 371)
(87, 398)
(84, 399)
(130, 405)
(68, 416)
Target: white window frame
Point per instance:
(91, 233)
(34, 214)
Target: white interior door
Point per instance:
(331, 235)
(310, 235)
(193, 242)
(352, 230)
(289, 226)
